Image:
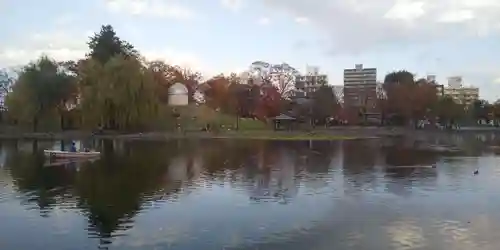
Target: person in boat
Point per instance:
(73, 147)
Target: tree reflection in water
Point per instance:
(132, 177)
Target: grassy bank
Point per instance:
(248, 135)
(284, 136)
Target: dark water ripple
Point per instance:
(251, 195)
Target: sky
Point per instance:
(441, 37)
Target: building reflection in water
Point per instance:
(276, 180)
(299, 183)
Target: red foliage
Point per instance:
(269, 103)
(217, 93)
(413, 101)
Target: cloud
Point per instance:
(58, 45)
(301, 20)
(175, 57)
(300, 44)
(456, 16)
(406, 10)
(66, 45)
(264, 21)
(65, 19)
(359, 25)
(151, 8)
(233, 5)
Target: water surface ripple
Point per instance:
(227, 194)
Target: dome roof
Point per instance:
(178, 89)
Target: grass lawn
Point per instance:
(194, 118)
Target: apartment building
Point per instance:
(360, 87)
(439, 87)
(308, 83)
(463, 95)
(455, 82)
(459, 93)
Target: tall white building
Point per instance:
(312, 70)
(360, 86)
(455, 82)
(459, 92)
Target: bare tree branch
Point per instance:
(6, 81)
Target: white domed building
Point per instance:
(178, 95)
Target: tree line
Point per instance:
(114, 87)
(408, 100)
(117, 88)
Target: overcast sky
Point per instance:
(442, 37)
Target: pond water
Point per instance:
(223, 194)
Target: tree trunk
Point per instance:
(61, 120)
(35, 123)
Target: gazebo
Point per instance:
(283, 122)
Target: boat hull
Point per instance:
(67, 154)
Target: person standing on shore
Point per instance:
(73, 147)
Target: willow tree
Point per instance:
(119, 94)
(40, 92)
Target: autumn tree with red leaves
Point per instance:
(227, 94)
(217, 93)
(242, 99)
(269, 104)
(406, 98)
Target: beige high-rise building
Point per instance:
(455, 82)
(360, 86)
(463, 95)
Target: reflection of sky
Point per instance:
(405, 235)
(62, 228)
(223, 215)
(445, 208)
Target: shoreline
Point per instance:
(337, 133)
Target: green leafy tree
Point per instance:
(120, 94)
(480, 110)
(495, 111)
(325, 103)
(448, 111)
(40, 92)
(106, 44)
(401, 77)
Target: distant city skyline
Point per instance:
(444, 38)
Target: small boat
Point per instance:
(68, 154)
(413, 166)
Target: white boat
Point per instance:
(67, 161)
(68, 154)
